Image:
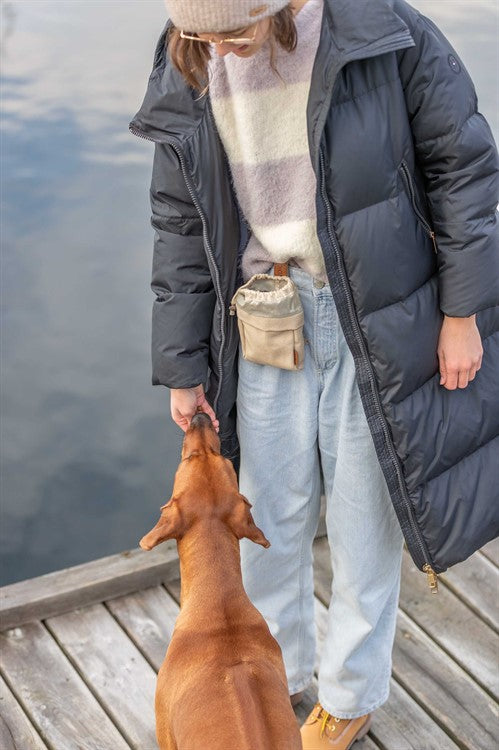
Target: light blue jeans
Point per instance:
(292, 426)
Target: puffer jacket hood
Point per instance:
(407, 188)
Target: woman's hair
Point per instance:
(191, 57)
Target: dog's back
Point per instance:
(236, 695)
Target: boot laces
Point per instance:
(327, 721)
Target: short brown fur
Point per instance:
(222, 683)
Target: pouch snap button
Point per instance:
(319, 284)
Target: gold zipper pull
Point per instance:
(232, 310)
(432, 235)
(432, 578)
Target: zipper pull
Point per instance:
(432, 578)
(432, 235)
(232, 309)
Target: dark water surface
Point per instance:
(88, 447)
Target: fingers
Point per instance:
(463, 378)
(459, 351)
(475, 369)
(186, 402)
(182, 406)
(453, 378)
(182, 421)
(443, 369)
(204, 406)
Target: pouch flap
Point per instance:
(264, 323)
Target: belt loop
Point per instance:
(281, 269)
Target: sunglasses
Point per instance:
(228, 40)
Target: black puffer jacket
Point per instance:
(400, 153)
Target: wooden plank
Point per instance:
(476, 582)
(491, 551)
(60, 705)
(114, 669)
(92, 582)
(173, 588)
(322, 528)
(452, 625)
(465, 711)
(148, 617)
(16, 730)
(400, 723)
(88, 583)
(323, 574)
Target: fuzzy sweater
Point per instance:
(263, 128)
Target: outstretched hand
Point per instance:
(185, 402)
(459, 351)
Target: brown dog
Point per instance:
(222, 685)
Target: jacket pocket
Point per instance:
(411, 193)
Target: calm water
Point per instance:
(88, 447)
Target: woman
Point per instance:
(344, 139)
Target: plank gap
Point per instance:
(427, 709)
(452, 656)
(88, 684)
(172, 588)
(491, 551)
(130, 635)
(460, 594)
(43, 743)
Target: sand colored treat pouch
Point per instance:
(270, 321)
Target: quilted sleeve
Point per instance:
(185, 298)
(458, 157)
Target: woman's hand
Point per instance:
(459, 351)
(185, 402)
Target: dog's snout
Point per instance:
(200, 418)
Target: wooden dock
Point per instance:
(80, 649)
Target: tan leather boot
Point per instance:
(321, 730)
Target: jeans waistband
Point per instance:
(305, 281)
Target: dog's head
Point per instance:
(205, 487)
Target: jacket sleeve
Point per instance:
(185, 298)
(456, 153)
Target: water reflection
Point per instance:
(88, 447)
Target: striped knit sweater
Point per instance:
(263, 127)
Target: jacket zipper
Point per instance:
(432, 578)
(230, 321)
(211, 255)
(406, 174)
(426, 567)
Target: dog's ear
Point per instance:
(242, 524)
(171, 525)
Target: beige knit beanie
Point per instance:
(220, 15)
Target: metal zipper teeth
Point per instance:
(360, 341)
(206, 240)
(412, 194)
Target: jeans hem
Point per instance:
(355, 714)
(299, 686)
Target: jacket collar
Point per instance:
(351, 29)
(358, 24)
